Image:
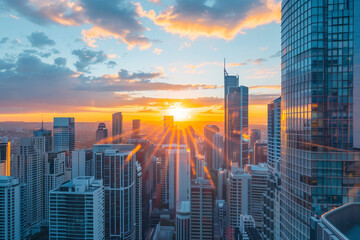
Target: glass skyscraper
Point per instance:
(320, 80)
(64, 134)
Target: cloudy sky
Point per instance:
(90, 58)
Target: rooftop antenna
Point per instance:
(225, 72)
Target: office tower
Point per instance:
(138, 207)
(31, 170)
(202, 203)
(183, 221)
(260, 152)
(221, 184)
(175, 175)
(64, 134)
(209, 132)
(42, 132)
(320, 110)
(54, 176)
(220, 218)
(236, 136)
(12, 202)
(254, 136)
(101, 133)
(218, 151)
(191, 139)
(81, 163)
(117, 128)
(5, 158)
(238, 197)
(77, 210)
(168, 129)
(259, 174)
(246, 229)
(229, 81)
(115, 164)
(136, 125)
(271, 227)
(200, 165)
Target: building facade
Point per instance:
(320, 83)
(101, 133)
(5, 158)
(183, 221)
(64, 134)
(209, 132)
(117, 128)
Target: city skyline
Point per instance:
(97, 70)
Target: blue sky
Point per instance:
(96, 57)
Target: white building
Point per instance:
(54, 176)
(183, 221)
(81, 163)
(12, 218)
(77, 210)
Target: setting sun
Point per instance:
(179, 113)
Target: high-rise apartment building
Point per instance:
(12, 202)
(209, 132)
(64, 134)
(236, 136)
(271, 222)
(320, 110)
(202, 209)
(117, 128)
(136, 125)
(81, 163)
(5, 158)
(260, 152)
(115, 164)
(31, 170)
(101, 133)
(54, 177)
(77, 210)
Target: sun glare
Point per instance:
(179, 113)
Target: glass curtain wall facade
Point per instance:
(319, 165)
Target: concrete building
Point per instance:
(260, 152)
(139, 202)
(5, 158)
(209, 132)
(42, 132)
(183, 221)
(218, 151)
(117, 128)
(12, 219)
(77, 210)
(202, 209)
(255, 135)
(81, 163)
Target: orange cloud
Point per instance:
(194, 19)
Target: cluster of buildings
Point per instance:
(224, 186)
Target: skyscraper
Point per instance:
(115, 164)
(64, 134)
(117, 127)
(42, 132)
(138, 206)
(183, 221)
(77, 210)
(31, 162)
(5, 158)
(236, 136)
(271, 227)
(81, 163)
(320, 110)
(191, 142)
(209, 132)
(255, 135)
(54, 177)
(136, 128)
(218, 151)
(11, 208)
(101, 133)
(229, 81)
(202, 209)
(260, 152)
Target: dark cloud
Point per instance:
(4, 40)
(60, 61)
(40, 40)
(5, 65)
(125, 75)
(88, 57)
(117, 19)
(111, 64)
(276, 55)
